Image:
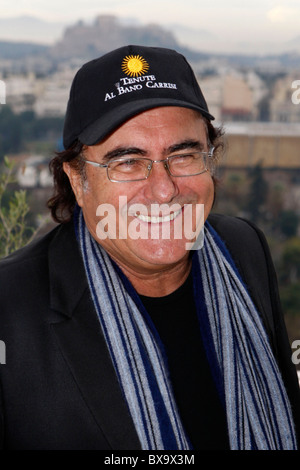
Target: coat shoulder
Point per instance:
(35, 249)
(26, 267)
(246, 243)
(234, 228)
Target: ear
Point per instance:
(75, 181)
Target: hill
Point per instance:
(107, 33)
(83, 41)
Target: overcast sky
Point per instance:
(255, 23)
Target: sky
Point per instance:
(255, 26)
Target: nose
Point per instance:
(161, 187)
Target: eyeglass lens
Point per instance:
(139, 168)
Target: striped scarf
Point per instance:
(245, 372)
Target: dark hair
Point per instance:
(63, 201)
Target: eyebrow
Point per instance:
(123, 151)
(184, 145)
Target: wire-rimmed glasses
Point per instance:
(129, 169)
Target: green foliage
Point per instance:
(288, 223)
(258, 192)
(14, 232)
(290, 261)
(269, 201)
(17, 131)
(290, 298)
(10, 131)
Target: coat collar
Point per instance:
(82, 344)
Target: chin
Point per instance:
(160, 252)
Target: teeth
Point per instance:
(156, 220)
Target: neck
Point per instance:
(161, 283)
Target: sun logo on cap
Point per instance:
(134, 65)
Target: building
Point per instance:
(232, 95)
(282, 107)
(47, 96)
(21, 92)
(54, 94)
(273, 145)
(33, 172)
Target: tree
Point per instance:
(258, 192)
(290, 299)
(14, 232)
(290, 261)
(10, 131)
(288, 223)
(19, 131)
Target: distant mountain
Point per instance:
(83, 41)
(107, 33)
(30, 29)
(89, 40)
(192, 37)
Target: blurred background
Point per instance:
(247, 59)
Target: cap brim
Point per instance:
(102, 127)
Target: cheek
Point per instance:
(91, 198)
(102, 201)
(202, 189)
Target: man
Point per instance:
(132, 325)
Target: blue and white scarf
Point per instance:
(246, 374)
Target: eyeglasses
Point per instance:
(121, 170)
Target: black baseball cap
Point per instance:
(109, 90)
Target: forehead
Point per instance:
(165, 123)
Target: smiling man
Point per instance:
(143, 321)
(155, 264)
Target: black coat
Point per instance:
(58, 386)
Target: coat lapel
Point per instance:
(82, 343)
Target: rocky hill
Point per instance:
(83, 41)
(106, 33)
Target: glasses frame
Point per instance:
(208, 154)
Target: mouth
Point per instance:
(158, 219)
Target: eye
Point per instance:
(184, 159)
(128, 164)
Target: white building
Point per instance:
(34, 172)
(21, 92)
(53, 97)
(46, 96)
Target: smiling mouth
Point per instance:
(158, 219)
